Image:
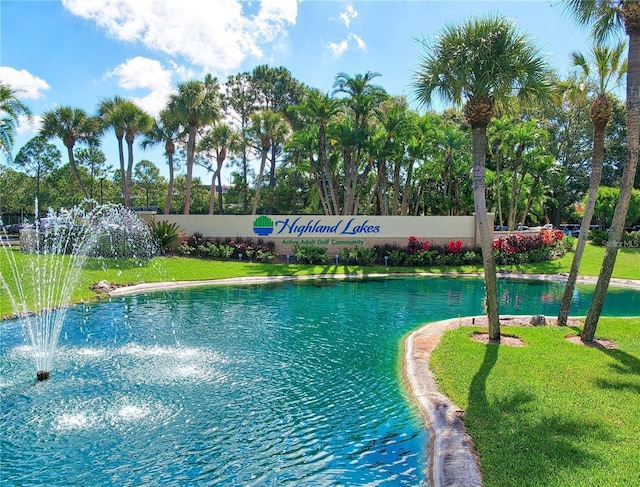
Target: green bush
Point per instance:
(358, 256)
(309, 254)
(397, 257)
(166, 234)
(598, 237)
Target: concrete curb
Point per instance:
(452, 459)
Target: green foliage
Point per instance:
(598, 237)
(309, 254)
(358, 256)
(198, 246)
(165, 233)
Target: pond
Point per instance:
(295, 383)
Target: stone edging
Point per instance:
(452, 459)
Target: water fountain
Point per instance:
(45, 274)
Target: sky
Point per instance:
(78, 52)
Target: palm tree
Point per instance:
(484, 62)
(111, 115)
(266, 128)
(609, 68)
(165, 131)
(320, 109)
(71, 125)
(362, 97)
(127, 120)
(220, 139)
(197, 103)
(605, 17)
(10, 111)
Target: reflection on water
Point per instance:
(289, 384)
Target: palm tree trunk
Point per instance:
(594, 184)
(128, 175)
(74, 171)
(479, 142)
(123, 179)
(191, 149)
(220, 200)
(167, 204)
(628, 177)
(263, 162)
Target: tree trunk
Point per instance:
(191, 150)
(167, 204)
(263, 162)
(220, 199)
(486, 241)
(74, 171)
(594, 184)
(628, 177)
(129, 174)
(123, 180)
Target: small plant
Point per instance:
(166, 234)
(358, 256)
(311, 255)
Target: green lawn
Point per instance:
(551, 413)
(180, 268)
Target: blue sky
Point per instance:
(77, 52)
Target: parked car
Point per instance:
(571, 229)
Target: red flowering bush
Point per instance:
(415, 245)
(454, 247)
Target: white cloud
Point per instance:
(148, 74)
(27, 85)
(338, 49)
(348, 15)
(216, 35)
(359, 41)
(28, 125)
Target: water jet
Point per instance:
(44, 273)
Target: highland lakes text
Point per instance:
(342, 227)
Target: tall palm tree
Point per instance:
(127, 120)
(497, 63)
(221, 139)
(196, 103)
(137, 121)
(605, 17)
(165, 130)
(71, 125)
(11, 108)
(601, 74)
(361, 98)
(111, 116)
(319, 109)
(266, 128)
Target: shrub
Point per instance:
(396, 257)
(308, 254)
(416, 245)
(166, 234)
(598, 237)
(358, 256)
(454, 246)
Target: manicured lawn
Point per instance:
(180, 268)
(551, 413)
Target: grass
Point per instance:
(551, 413)
(180, 268)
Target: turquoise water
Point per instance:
(290, 384)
